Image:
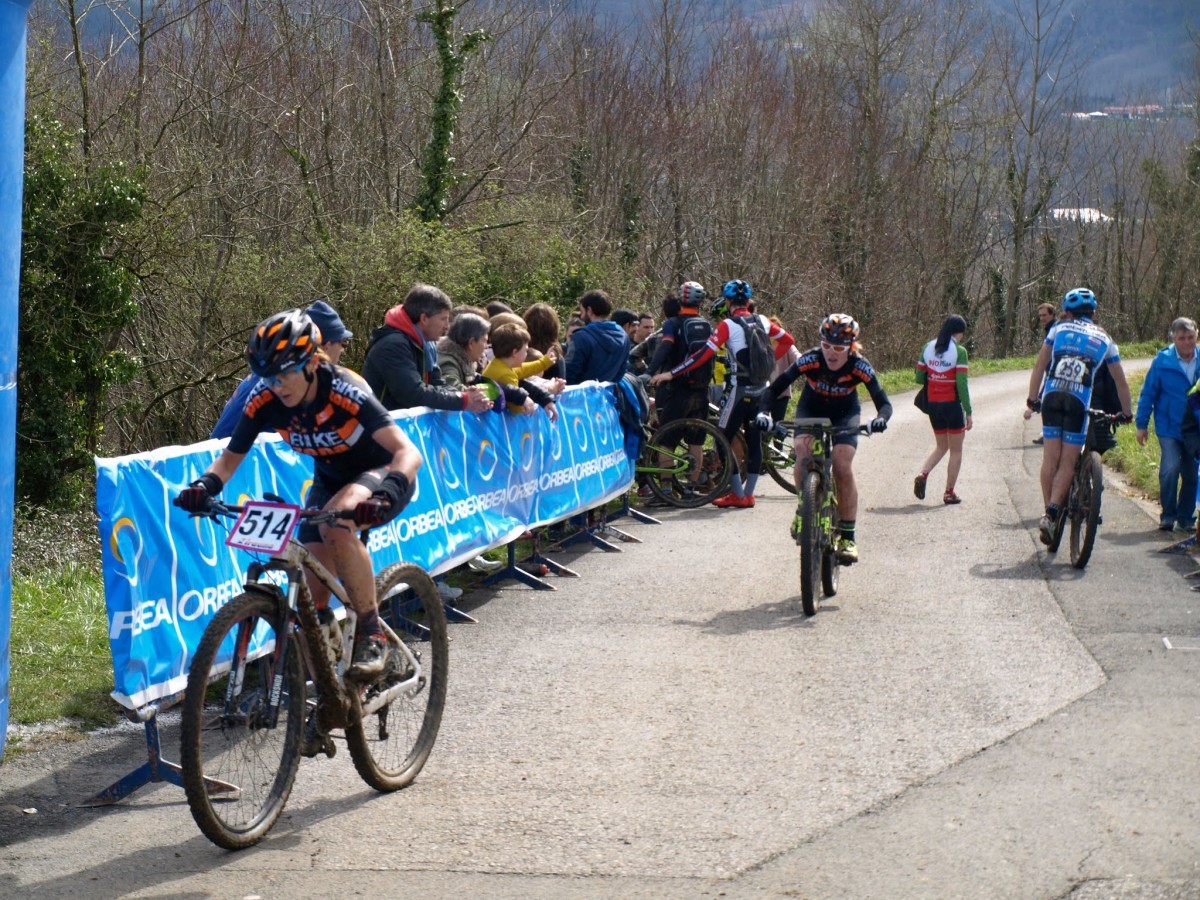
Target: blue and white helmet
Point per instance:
(1080, 300)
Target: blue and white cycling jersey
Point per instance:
(1076, 349)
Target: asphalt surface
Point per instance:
(967, 718)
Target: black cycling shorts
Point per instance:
(947, 417)
(1064, 418)
(682, 402)
(322, 491)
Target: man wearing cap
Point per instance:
(334, 338)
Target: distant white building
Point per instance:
(1085, 215)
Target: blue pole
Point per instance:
(12, 167)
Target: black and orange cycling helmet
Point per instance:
(281, 343)
(839, 329)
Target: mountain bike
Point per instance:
(247, 714)
(666, 463)
(815, 528)
(1082, 506)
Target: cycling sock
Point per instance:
(751, 481)
(846, 530)
(368, 624)
(735, 482)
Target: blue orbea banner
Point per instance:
(486, 480)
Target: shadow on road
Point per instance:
(770, 616)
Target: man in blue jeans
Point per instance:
(1164, 395)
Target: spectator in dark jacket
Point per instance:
(402, 362)
(600, 350)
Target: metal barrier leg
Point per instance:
(155, 769)
(512, 570)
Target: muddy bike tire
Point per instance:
(237, 766)
(665, 463)
(390, 747)
(811, 552)
(1084, 508)
(829, 560)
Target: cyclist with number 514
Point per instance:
(362, 461)
(832, 373)
(1073, 350)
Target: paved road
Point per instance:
(968, 718)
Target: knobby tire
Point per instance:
(666, 463)
(810, 542)
(781, 466)
(1087, 490)
(230, 740)
(389, 747)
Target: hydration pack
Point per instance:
(760, 357)
(694, 333)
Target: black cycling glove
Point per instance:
(197, 497)
(387, 502)
(878, 425)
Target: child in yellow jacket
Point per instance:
(510, 346)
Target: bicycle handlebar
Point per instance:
(818, 426)
(313, 516)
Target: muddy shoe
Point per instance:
(919, 486)
(370, 658)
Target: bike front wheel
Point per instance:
(395, 720)
(238, 752)
(1084, 508)
(810, 543)
(668, 465)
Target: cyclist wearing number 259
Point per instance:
(1070, 355)
(362, 461)
(832, 373)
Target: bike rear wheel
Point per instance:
(1084, 507)
(667, 463)
(238, 765)
(810, 543)
(389, 746)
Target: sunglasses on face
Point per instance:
(834, 348)
(274, 381)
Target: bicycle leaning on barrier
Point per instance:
(686, 463)
(248, 716)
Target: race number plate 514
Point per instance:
(263, 527)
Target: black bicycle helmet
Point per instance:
(692, 294)
(282, 342)
(1080, 300)
(839, 329)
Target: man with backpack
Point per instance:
(748, 337)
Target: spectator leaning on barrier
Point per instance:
(401, 365)
(460, 351)
(544, 326)
(600, 350)
(510, 344)
(334, 338)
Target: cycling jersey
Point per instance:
(829, 392)
(945, 374)
(731, 336)
(335, 428)
(1076, 348)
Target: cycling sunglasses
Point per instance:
(834, 348)
(273, 381)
